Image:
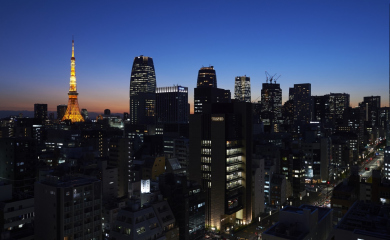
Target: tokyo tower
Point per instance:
(73, 111)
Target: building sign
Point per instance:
(217, 119)
(145, 186)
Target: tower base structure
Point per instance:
(73, 111)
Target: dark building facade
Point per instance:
(207, 77)
(69, 208)
(187, 202)
(172, 104)
(61, 110)
(303, 103)
(40, 111)
(142, 91)
(338, 102)
(220, 160)
(271, 99)
(207, 91)
(107, 112)
(18, 160)
(372, 107)
(209, 95)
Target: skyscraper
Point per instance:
(329, 108)
(271, 99)
(338, 102)
(242, 89)
(207, 91)
(142, 91)
(373, 104)
(207, 77)
(172, 104)
(40, 111)
(73, 111)
(303, 102)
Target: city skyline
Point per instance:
(337, 47)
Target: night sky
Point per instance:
(337, 46)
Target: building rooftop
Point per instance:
(322, 212)
(367, 219)
(291, 229)
(284, 231)
(68, 181)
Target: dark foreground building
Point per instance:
(220, 160)
(69, 208)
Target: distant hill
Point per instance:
(30, 114)
(6, 113)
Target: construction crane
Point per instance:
(254, 101)
(277, 78)
(271, 78)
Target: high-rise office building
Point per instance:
(329, 108)
(207, 91)
(338, 102)
(372, 107)
(143, 91)
(303, 103)
(271, 106)
(61, 110)
(321, 108)
(40, 111)
(221, 160)
(73, 111)
(172, 104)
(68, 208)
(242, 89)
(207, 77)
(271, 99)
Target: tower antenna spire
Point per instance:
(72, 46)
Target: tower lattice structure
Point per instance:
(73, 111)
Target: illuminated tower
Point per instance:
(73, 111)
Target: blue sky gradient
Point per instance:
(337, 46)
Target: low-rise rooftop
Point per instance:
(367, 219)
